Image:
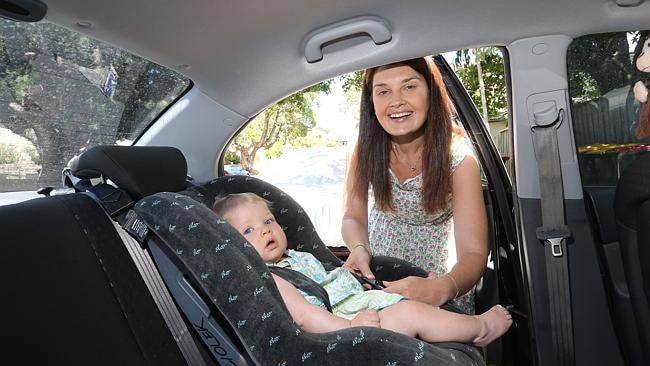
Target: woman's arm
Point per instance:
(316, 319)
(470, 232)
(470, 225)
(354, 226)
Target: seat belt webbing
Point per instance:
(553, 234)
(159, 292)
(162, 298)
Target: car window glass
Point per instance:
(604, 109)
(62, 92)
(301, 144)
(482, 73)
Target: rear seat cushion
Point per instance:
(226, 269)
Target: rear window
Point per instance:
(62, 92)
(605, 111)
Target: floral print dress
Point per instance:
(412, 234)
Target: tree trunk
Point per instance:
(481, 87)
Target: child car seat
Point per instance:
(229, 275)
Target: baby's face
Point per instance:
(257, 224)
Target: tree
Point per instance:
(482, 73)
(287, 119)
(598, 63)
(53, 94)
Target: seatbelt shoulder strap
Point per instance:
(554, 232)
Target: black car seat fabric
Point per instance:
(71, 294)
(230, 274)
(137, 170)
(632, 212)
(74, 294)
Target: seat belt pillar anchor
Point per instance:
(556, 246)
(555, 237)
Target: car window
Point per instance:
(62, 92)
(604, 109)
(301, 144)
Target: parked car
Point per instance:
(235, 169)
(176, 87)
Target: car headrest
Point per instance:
(138, 170)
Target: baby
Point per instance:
(351, 304)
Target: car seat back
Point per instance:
(71, 293)
(632, 211)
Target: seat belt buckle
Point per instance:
(555, 237)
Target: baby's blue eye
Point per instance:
(268, 221)
(248, 231)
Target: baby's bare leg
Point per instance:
(433, 324)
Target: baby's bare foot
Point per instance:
(494, 323)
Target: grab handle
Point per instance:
(375, 27)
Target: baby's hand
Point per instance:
(367, 318)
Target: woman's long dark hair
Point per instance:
(374, 146)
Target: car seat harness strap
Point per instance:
(554, 232)
(303, 283)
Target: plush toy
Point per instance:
(642, 63)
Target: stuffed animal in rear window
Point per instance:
(642, 63)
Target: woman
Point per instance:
(425, 182)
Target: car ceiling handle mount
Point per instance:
(373, 26)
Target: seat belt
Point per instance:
(553, 232)
(147, 268)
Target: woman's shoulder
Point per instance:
(461, 147)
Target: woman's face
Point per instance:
(401, 99)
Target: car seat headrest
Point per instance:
(138, 170)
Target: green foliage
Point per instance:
(231, 158)
(493, 77)
(286, 120)
(274, 151)
(598, 63)
(33, 154)
(18, 83)
(352, 81)
(312, 140)
(9, 154)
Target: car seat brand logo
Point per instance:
(213, 343)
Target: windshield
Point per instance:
(62, 92)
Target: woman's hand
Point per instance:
(431, 290)
(366, 318)
(359, 261)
